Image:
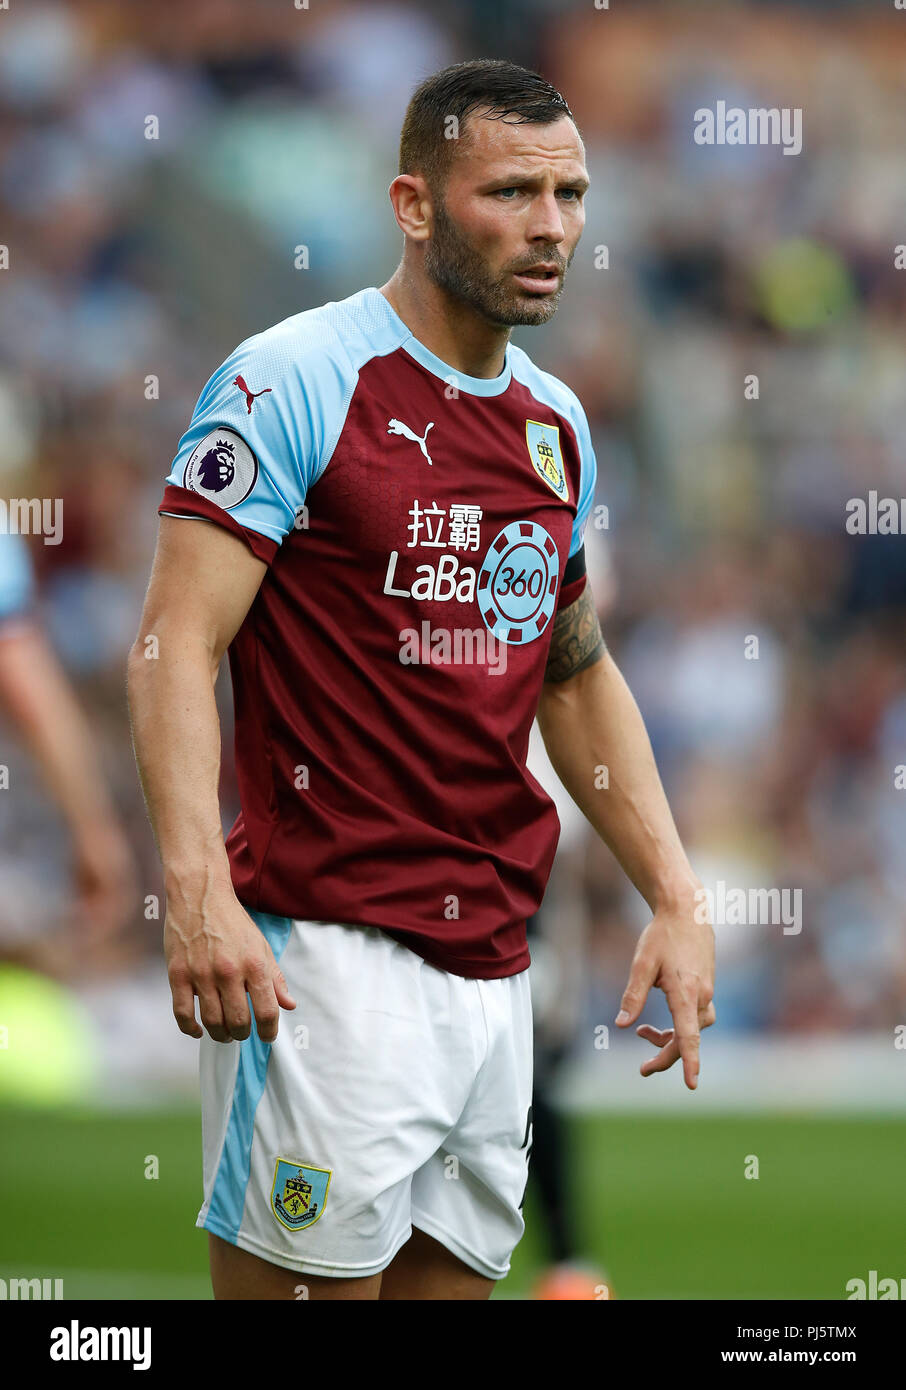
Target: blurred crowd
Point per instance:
(733, 323)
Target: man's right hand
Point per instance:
(215, 950)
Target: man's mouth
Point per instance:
(543, 278)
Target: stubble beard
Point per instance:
(453, 264)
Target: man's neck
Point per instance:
(447, 327)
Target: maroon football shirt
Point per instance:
(420, 528)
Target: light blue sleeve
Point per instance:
(265, 426)
(588, 478)
(17, 584)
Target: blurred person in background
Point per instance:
(39, 702)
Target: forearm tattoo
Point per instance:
(577, 641)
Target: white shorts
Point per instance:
(396, 1095)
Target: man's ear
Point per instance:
(412, 206)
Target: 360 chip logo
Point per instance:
(517, 586)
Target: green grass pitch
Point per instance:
(662, 1202)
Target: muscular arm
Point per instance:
(598, 745)
(590, 721)
(203, 583)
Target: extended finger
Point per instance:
(663, 1061)
(685, 1024)
(659, 1036)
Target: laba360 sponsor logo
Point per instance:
(447, 581)
(453, 528)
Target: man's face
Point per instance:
(509, 220)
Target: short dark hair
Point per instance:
(491, 87)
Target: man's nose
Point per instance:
(546, 222)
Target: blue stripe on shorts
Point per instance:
(228, 1196)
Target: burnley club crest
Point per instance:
(299, 1194)
(547, 460)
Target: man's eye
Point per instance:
(502, 192)
(571, 194)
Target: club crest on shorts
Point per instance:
(547, 459)
(299, 1194)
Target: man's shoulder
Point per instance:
(544, 386)
(345, 333)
